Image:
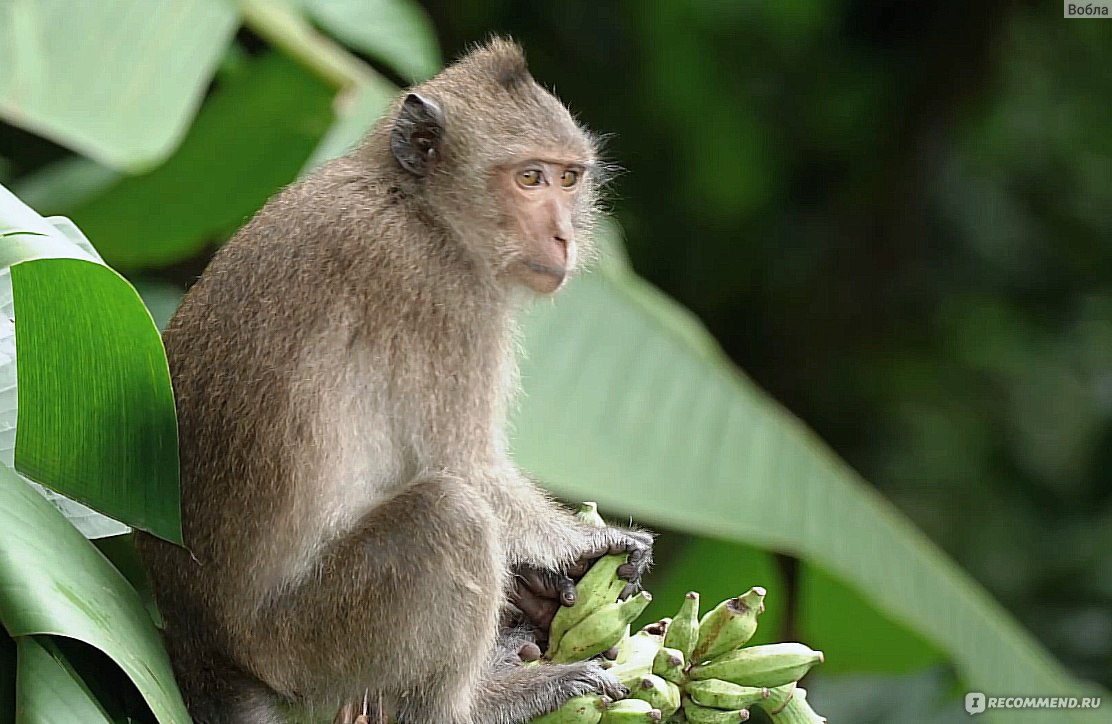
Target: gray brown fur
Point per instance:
(342, 372)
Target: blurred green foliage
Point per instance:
(264, 119)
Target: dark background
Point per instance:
(897, 217)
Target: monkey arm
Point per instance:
(545, 534)
(549, 548)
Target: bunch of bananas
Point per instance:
(682, 669)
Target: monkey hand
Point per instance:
(538, 594)
(605, 539)
(587, 677)
(636, 544)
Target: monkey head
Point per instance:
(501, 163)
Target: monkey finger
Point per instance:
(619, 545)
(636, 548)
(529, 651)
(580, 567)
(630, 546)
(568, 594)
(638, 556)
(544, 621)
(637, 544)
(540, 583)
(538, 610)
(532, 580)
(616, 691)
(629, 590)
(628, 572)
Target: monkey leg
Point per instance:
(217, 691)
(406, 603)
(516, 644)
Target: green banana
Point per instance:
(669, 664)
(719, 694)
(586, 709)
(600, 630)
(588, 513)
(729, 625)
(663, 695)
(639, 649)
(631, 711)
(778, 696)
(706, 715)
(609, 656)
(598, 587)
(594, 589)
(683, 633)
(685, 670)
(636, 655)
(797, 711)
(769, 665)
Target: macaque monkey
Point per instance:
(354, 525)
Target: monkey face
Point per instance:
(541, 200)
(503, 164)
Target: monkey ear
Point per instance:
(418, 130)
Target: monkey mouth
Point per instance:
(555, 272)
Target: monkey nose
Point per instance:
(561, 245)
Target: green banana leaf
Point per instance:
(54, 582)
(65, 183)
(49, 690)
(250, 138)
(142, 67)
(7, 678)
(88, 521)
(837, 618)
(95, 418)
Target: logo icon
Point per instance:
(974, 702)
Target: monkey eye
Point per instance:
(569, 178)
(530, 177)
